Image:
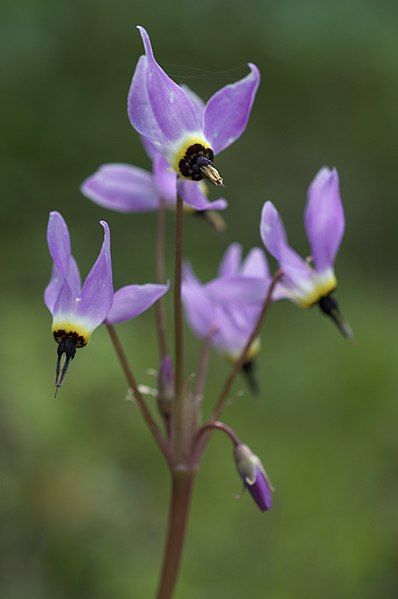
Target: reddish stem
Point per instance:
(155, 430)
(178, 516)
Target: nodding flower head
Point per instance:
(186, 132)
(78, 310)
(311, 281)
(254, 476)
(227, 308)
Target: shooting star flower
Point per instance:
(187, 134)
(312, 281)
(227, 308)
(78, 310)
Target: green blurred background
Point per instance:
(84, 492)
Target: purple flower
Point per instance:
(254, 476)
(227, 307)
(311, 281)
(78, 310)
(184, 131)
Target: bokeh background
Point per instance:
(83, 490)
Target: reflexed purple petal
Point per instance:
(132, 300)
(191, 193)
(228, 110)
(139, 107)
(237, 289)
(149, 147)
(273, 234)
(97, 293)
(324, 218)
(261, 491)
(188, 274)
(232, 330)
(165, 180)
(156, 101)
(65, 302)
(197, 100)
(53, 288)
(231, 260)
(256, 265)
(198, 308)
(122, 187)
(272, 231)
(60, 250)
(58, 240)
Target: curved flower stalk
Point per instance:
(226, 309)
(187, 134)
(312, 281)
(78, 310)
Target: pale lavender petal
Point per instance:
(165, 180)
(198, 308)
(122, 187)
(97, 293)
(58, 240)
(53, 288)
(191, 193)
(295, 269)
(132, 300)
(238, 288)
(197, 100)
(67, 270)
(228, 110)
(256, 265)
(164, 103)
(324, 218)
(139, 107)
(65, 302)
(230, 337)
(149, 147)
(272, 231)
(230, 263)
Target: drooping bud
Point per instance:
(254, 476)
(165, 387)
(330, 307)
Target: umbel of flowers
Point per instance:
(182, 136)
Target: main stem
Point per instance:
(178, 517)
(178, 412)
(160, 276)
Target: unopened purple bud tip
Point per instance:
(254, 476)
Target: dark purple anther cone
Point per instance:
(261, 491)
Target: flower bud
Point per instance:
(165, 386)
(254, 476)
